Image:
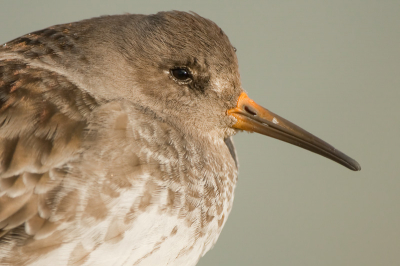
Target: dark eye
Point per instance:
(181, 74)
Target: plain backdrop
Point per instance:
(332, 67)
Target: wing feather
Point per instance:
(42, 121)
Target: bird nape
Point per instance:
(115, 140)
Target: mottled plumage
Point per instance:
(97, 166)
(115, 141)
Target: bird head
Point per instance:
(186, 70)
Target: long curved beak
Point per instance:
(254, 118)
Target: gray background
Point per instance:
(332, 68)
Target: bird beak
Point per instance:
(254, 118)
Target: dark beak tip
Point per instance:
(357, 166)
(351, 164)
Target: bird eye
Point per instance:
(181, 74)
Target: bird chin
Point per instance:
(229, 132)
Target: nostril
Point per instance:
(248, 109)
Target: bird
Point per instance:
(116, 140)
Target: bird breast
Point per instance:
(147, 190)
